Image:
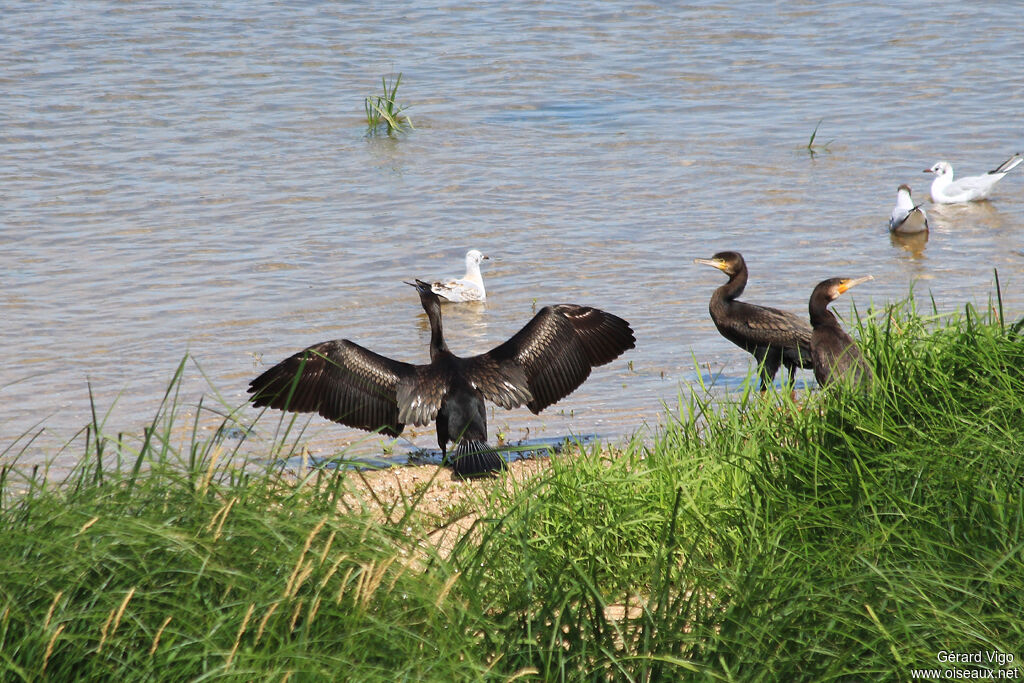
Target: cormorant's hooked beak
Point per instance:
(848, 283)
(713, 262)
(420, 285)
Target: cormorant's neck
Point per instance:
(437, 343)
(734, 287)
(818, 309)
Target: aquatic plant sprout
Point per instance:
(384, 112)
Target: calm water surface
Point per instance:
(192, 178)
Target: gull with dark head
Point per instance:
(470, 287)
(907, 218)
(945, 190)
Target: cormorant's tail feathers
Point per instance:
(475, 458)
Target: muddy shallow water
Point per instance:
(179, 178)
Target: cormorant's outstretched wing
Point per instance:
(420, 394)
(341, 381)
(555, 352)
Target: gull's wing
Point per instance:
(899, 216)
(1008, 165)
(975, 184)
(458, 290)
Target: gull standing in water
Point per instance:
(541, 364)
(774, 337)
(907, 218)
(470, 287)
(835, 354)
(970, 189)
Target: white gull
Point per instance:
(470, 287)
(972, 188)
(907, 217)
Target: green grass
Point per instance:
(383, 113)
(813, 148)
(845, 536)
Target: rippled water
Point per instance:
(185, 178)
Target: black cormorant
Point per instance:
(774, 337)
(834, 352)
(542, 363)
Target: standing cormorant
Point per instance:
(470, 287)
(542, 363)
(774, 337)
(945, 190)
(834, 352)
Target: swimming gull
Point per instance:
(470, 287)
(907, 217)
(970, 189)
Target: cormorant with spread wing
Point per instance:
(774, 337)
(541, 364)
(833, 351)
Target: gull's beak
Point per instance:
(847, 284)
(927, 170)
(714, 263)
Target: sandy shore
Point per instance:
(431, 504)
(436, 492)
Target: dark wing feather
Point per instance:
(836, 357)
(755, 328)
(555, 351)
(341, 381)
(765, 325)
(501, 381)
(420, 394)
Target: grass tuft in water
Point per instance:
(813, 148)
(383, 113)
